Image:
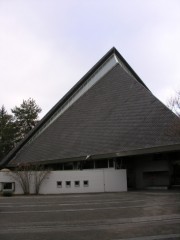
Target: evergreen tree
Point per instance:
(26, 117)
(7, 132)
(13, 128)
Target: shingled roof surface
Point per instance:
(117, 114)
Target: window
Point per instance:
(59, 184)
(8, 186)
(102, 163)
(77, 183)
(88, 164)
(68, 183)
(86, 183)
(68, 166)
(111, 163)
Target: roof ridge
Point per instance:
(113, 51)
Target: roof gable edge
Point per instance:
(50, 114)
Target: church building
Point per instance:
(109, 122)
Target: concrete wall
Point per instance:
(102, 180)
(5, 176)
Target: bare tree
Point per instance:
(23, 175)
(40, 173)
(28, 176)
(174, 103)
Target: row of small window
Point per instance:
(73, 183)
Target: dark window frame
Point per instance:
(68, 184)
(86, 183)
(59, 184)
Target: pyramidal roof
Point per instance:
(109, 112)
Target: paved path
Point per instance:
(132, 215)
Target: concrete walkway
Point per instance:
(146, 215)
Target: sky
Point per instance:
(46, 46)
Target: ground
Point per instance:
(142, 215)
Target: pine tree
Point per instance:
(7, 132)
(26, 117)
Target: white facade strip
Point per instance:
(123, 66)
(84, 181)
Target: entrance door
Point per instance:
(154, 179)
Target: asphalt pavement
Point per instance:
(144, 215)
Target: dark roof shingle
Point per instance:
(117, 114)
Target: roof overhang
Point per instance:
(135, 152)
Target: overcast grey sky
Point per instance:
(46, 46)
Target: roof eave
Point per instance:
(135, 152)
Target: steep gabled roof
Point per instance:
(109, 111)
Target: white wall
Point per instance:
(115, 180)
(6, 177)
(102, 180)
